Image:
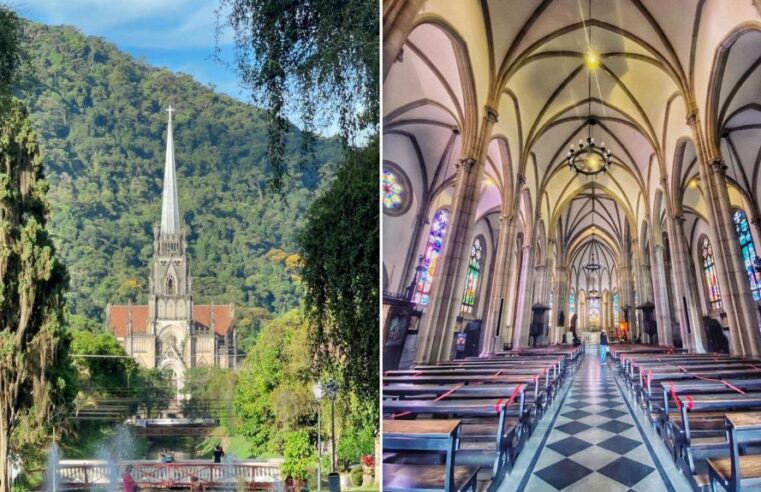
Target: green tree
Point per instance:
(211, 390)
(154, 391)
(273, 395)
(340, 254)
(298, 454)
(315, 57)
(33, 338)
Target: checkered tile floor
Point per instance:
(594, 443)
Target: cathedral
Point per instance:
(571, 229)
(171, 332)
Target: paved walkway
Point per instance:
(593, 439)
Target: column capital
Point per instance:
(718, 166)
(678, 218)
(526, 247)
(507, 218)
(465, 163)
(455, 130)
(664, 181)
(521, 178)
(491, 114)
(692, 118)
(551, 240)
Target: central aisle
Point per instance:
(590, 440)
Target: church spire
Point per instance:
(170, 211)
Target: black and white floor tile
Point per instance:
(592, 439)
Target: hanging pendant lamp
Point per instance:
(589, 158)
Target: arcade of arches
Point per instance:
(484, 218)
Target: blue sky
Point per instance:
(177, 34)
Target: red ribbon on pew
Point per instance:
(690, 403)
(498, 373)
(497, 405)
(516, 391)
(510, 401)
(400, 414)
(682, 369)
(751, 365)
(444, 395)
(417, 374)
(725, 383)
(673, 397)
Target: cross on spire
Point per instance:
(170, 210)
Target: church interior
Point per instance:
(571, 211)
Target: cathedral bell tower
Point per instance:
(170, 284)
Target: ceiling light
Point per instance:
(592, 60)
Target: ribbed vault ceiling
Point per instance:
(529, 56)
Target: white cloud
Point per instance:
(161, 24)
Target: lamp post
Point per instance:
(317, 390)
(331, 389)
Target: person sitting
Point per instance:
(170, 456)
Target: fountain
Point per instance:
(117, 448)
(52, 479)
(228, 471)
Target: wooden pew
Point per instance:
(425, 435)
(737, 471)
(702, 425)
(491, 434)
(701, 448)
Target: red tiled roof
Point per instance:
(118, 318)
(223, 317)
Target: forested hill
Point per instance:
(101, 124)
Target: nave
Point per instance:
(595, 440)
(648, 418)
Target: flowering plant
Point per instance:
(368, 460)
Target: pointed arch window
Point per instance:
(615, 309)
(572, 304)
(433, 247)
(594, 311)
(748, 250)
(709, 272)
(475, 264)
(170, 286)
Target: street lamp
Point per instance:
(331, 389)
(317, 390)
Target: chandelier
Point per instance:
(589, 158)
(592, 266)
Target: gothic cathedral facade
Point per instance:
(171, 332)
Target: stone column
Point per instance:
(398, 19)
(733, 281)
(499, 291)
(685, 295)
(660, 294)
(523, 304)
(439, 323)
(561, 301)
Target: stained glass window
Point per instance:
(748, 251)
(393, 191)
(474, 272)
(709, 271)
(572, 304)
(433, 247)
(594, 311)
(615, 309)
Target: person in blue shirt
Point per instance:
(603, 346)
